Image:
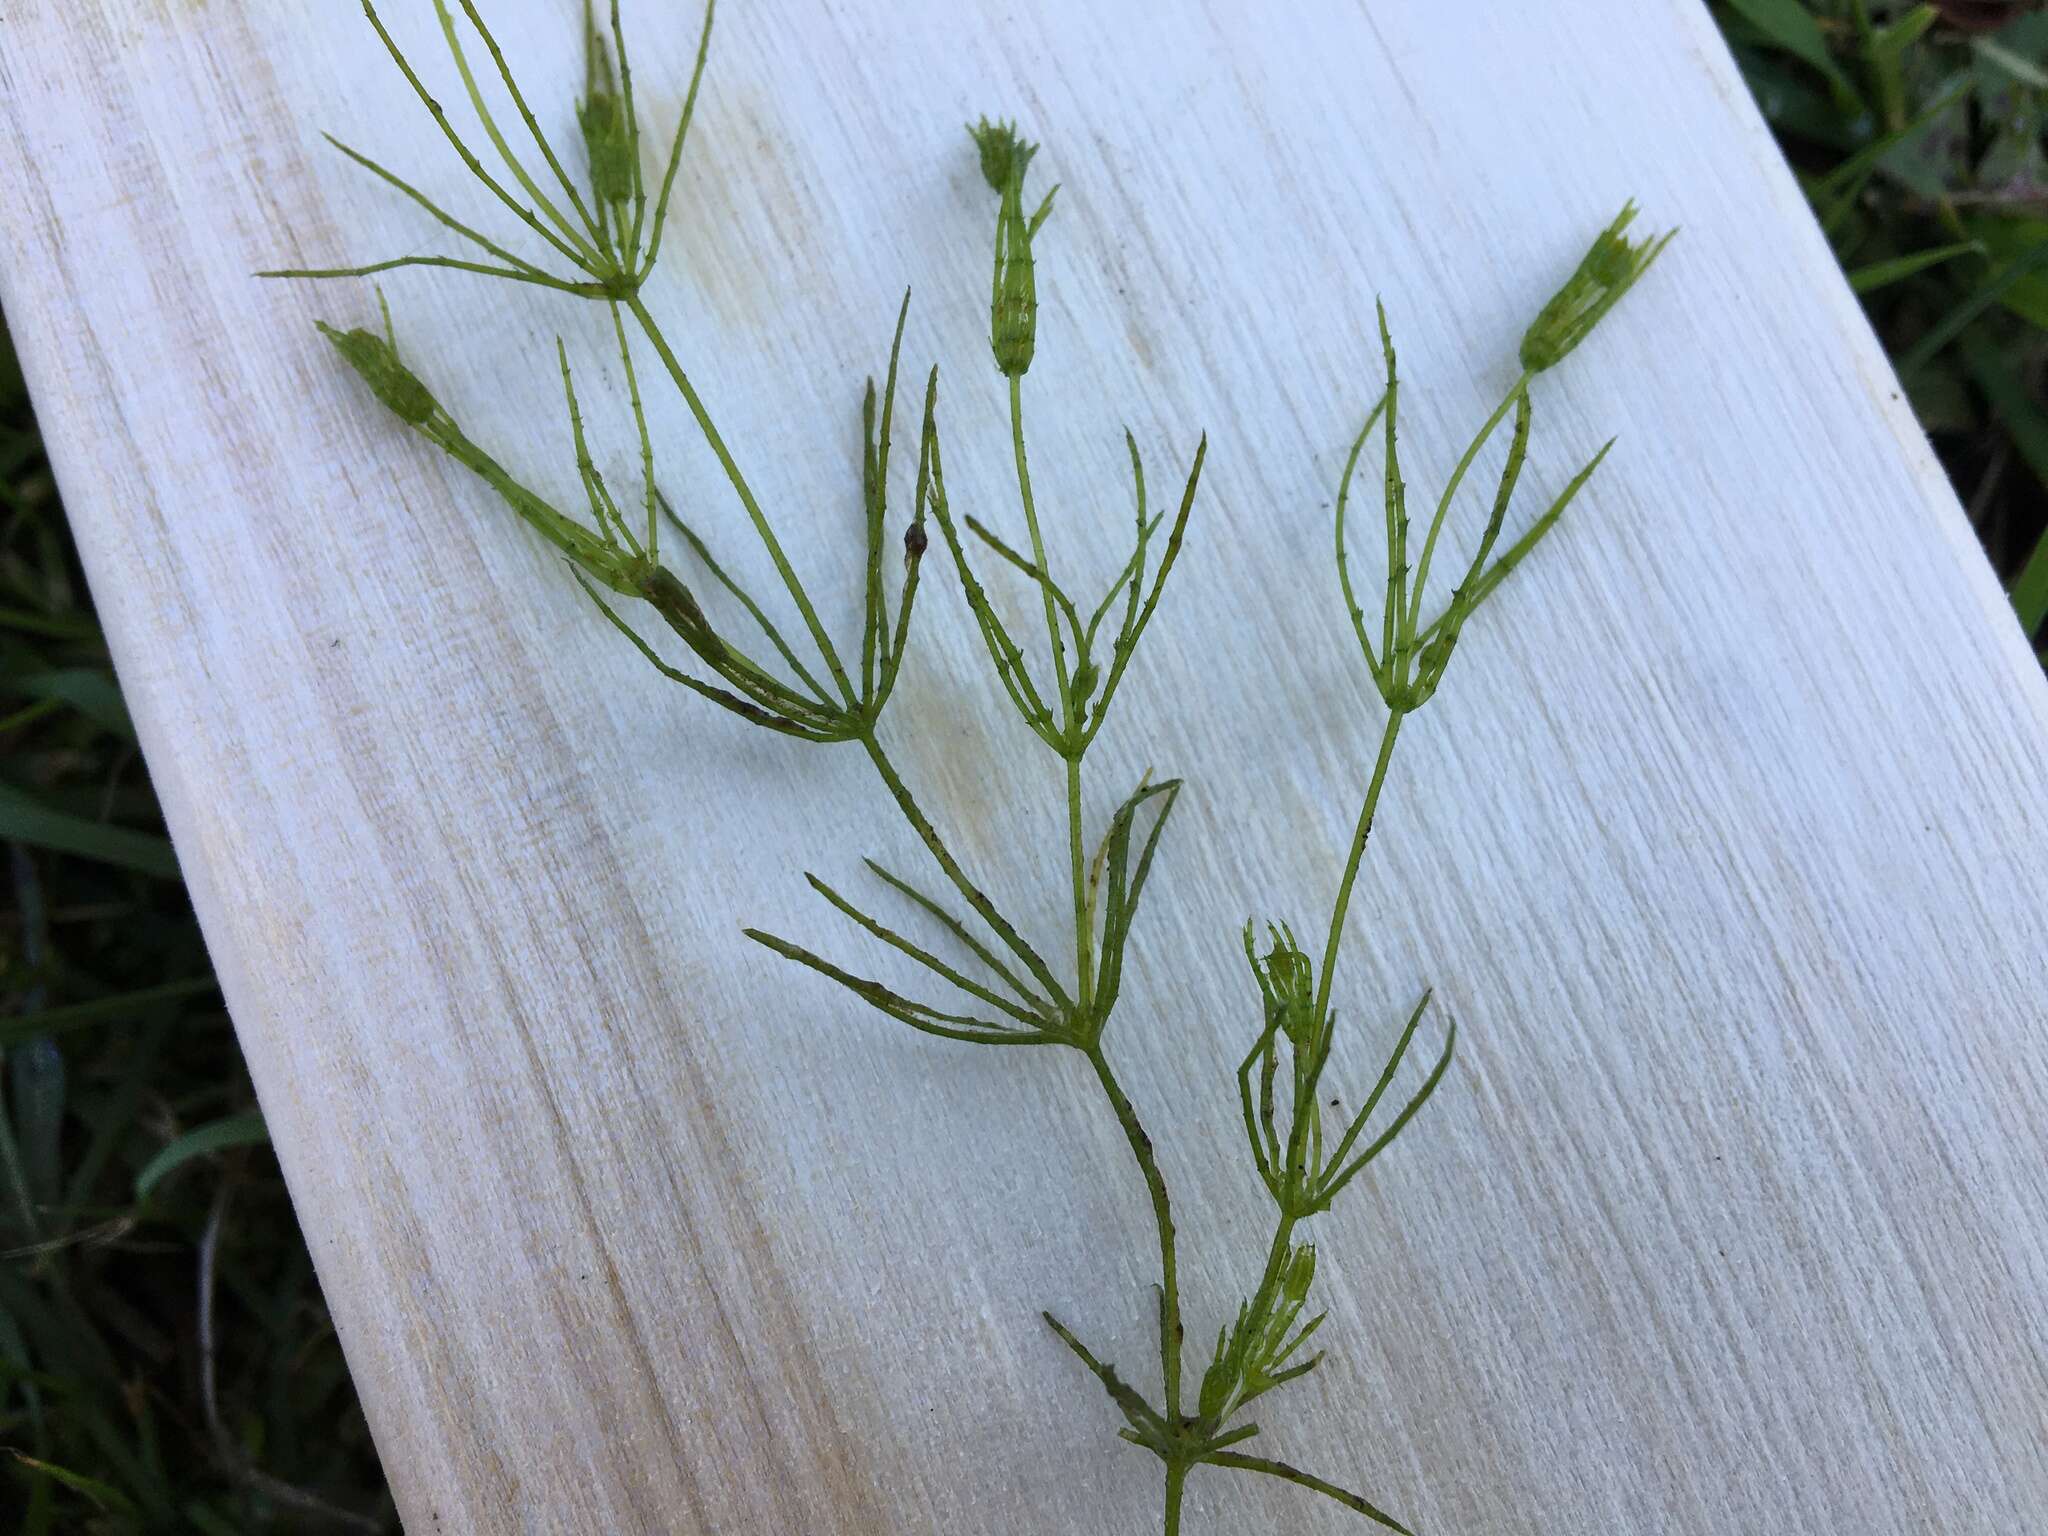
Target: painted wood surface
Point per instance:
(1724, 842)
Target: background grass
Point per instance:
(1917, 131)
(166, 1362)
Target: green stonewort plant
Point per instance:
(1000, 988)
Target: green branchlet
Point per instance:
(609, 142)
(607, 551)
(375, 360)
(1607, 271)
(606, 242)
(1005, 992)
(1069, 719)
(1408, 663)
(1258, 1352)
(1302, 1169)
(1013, 299)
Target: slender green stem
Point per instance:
(1276, 1259)
(973, 894)
(1045, 587)
(1443, 505)
(453, 263)
(588, 254)
(1084, 933)
(1358, 837)
(1269, 1283)
(1162, 1217)
(1077, 858)
(746, 495)
(1176, 1480)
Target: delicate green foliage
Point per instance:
(1408, 663)
(607, 239)
(1287, 1139)
(1258, 1352)
(1920, 144)
(1606, 272)
(165, 1364)
(606, 121)
(1013, 300)
(1280, 1469)
(243, 1130)
(375, 359)
(993, 986)
(1118, 899)
(1004, 155)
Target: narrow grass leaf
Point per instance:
(1791, 26)
(1882, 274)
(25, 819)
(36, 1084)
(106, 1495)
(243, 1130)
(102, 1010)
(91, 691)
(1981, 298)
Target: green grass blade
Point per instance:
(1792, 27)
(243, 1130)
(106, 1495)
(1882, 274)
(1987, 293)
(25, 819)
(104, 1010)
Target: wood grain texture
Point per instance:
(1724, 841)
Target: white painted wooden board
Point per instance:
(1724, 841)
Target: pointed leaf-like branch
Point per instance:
(875, 505)
(1344, 1176)
(1237, 1436)
(1293, 1474)
(1436, 655)
(1264, 1144)
(440, 214)
(593, 236)
(675, 154)
(476, 168)
(1145, 1421)
(1379, 1088)
(1126, 885)
(678, 607)
(718, 573)
(914, 543)
(1130, 580)
(753, 713)
(630, 241)
(1002, 650)
(1476, 592)
(930, 1021)
(928, 960)
(954, 926)
(1127, 640)
(1392, 637)
(1351, 603)
(1518, 399)
(1024, 563)
(639, 424)
(451, 263)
